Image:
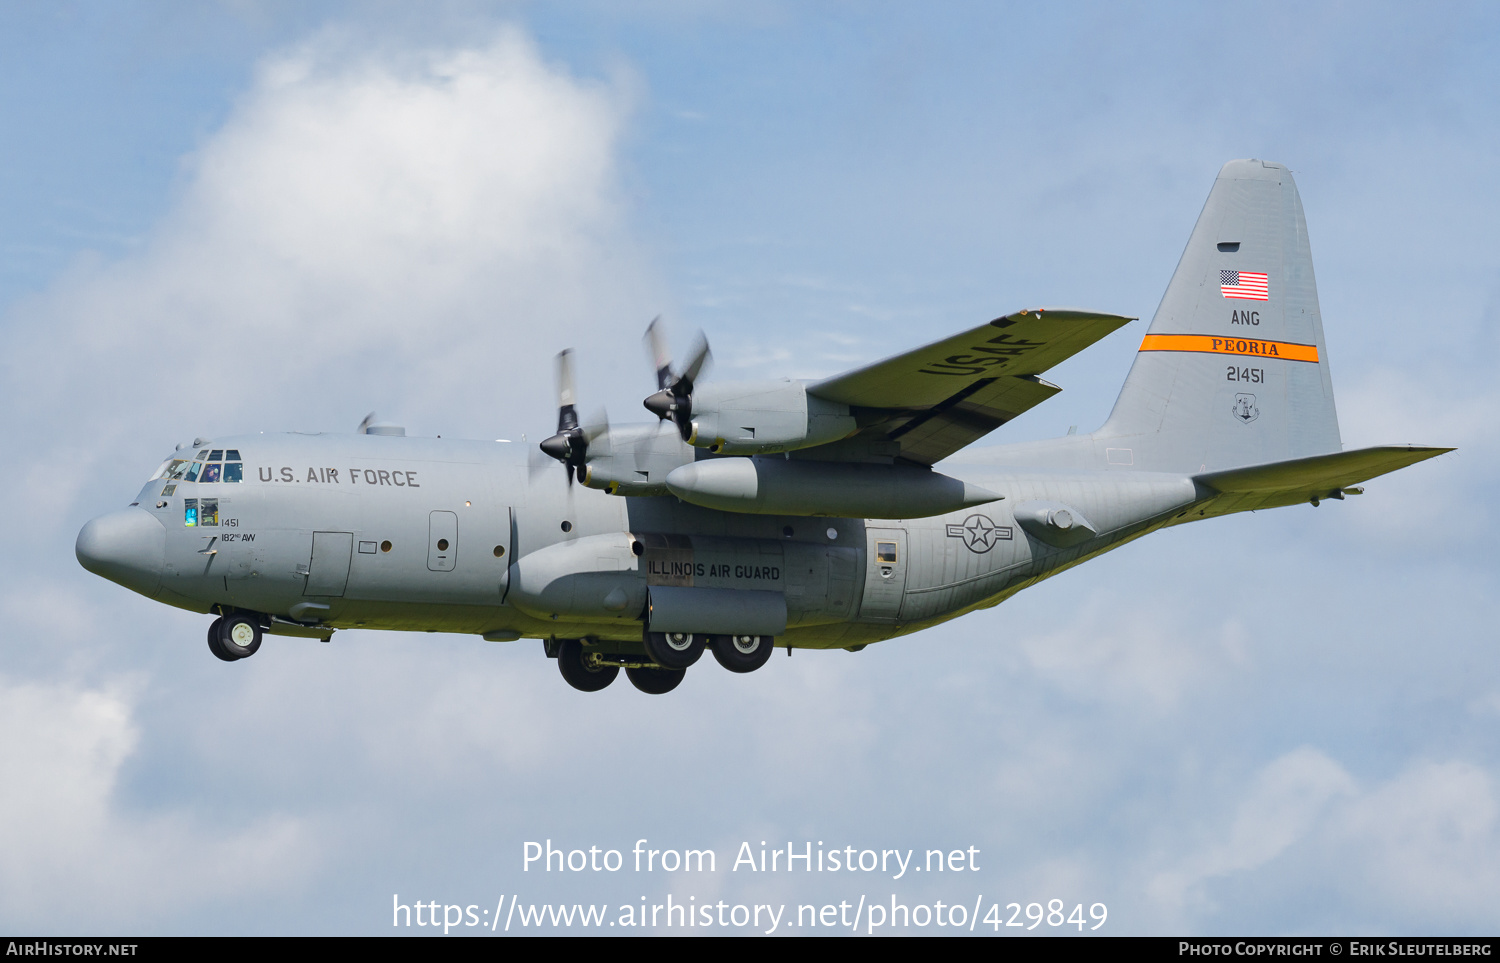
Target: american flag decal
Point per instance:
(1245, 284)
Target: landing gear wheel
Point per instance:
(239, 636)
(655, 681)
(580, 671)
(743, 653)
(674, 650)
(215, 645)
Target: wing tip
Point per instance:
(1062, 313)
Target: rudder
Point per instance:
(1233, 370)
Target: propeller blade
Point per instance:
(567, 415)
(369, 420)
(656, 343)
(701, 356)
(597, 428)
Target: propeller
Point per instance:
(571, 443)
(674, 398)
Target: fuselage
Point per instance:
(429, 534)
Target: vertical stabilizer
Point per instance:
(1234, 369)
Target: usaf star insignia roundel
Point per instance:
(980, 534)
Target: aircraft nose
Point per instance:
(128, 547)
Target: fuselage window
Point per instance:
(190, 512)
(208, 513)
(885, 553)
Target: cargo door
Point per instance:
(885, 574)
(328, 572)
(442, 541)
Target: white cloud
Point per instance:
(1131, 653)
(1426, 844)
(413, 232)
(73, 855)
(1422, 846)
(1279, 808)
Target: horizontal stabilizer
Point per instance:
(1302, 479)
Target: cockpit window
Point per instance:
(203, 468)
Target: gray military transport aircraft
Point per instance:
(753, 514)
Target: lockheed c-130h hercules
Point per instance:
(775, 513)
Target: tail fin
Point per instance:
(1233, 370)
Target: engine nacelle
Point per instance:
(775, 486)
(760, 417)
(635, 459)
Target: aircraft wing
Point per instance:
(925, 404)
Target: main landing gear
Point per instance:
(742, 653)
(674, 650)
(584, 670)
(667, 657)
(654, 681)
(234, 637)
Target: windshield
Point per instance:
(218, 465)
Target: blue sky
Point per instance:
(265, 217)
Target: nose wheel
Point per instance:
(234, 637)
